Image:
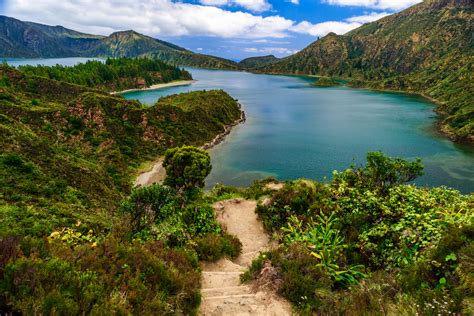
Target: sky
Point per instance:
(233, 29)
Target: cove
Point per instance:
(294, 130)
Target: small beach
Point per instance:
(159, 86)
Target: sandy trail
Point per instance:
(223, 293)
(156, 175)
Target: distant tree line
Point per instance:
(113, 74)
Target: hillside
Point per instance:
(116, 74)
(426, 49)
(67, 159)
(254, 62)
(32, 40)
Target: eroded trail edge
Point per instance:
(223, 293)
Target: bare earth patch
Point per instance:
(156, 175)
(274, 186)
(223, 293)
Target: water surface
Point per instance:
(294, 130)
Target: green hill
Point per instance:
(67, 161)
(112, 75)
(253, 62)
(33, 40)
(427, 49)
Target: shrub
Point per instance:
(200, 220)
(186, 167)
(148, 205)
(382, 172)
(212, 247)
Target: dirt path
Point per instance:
(223, 293)
(156, 175)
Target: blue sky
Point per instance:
(233, 29)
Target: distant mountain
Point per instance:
(33, 40)
(253, 62)
(427, 49)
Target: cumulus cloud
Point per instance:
(252, 5)
(151, 17)
(375, 4)
(167, 18)
(271, 50)
(338, 27)
(374, 16)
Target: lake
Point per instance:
(294, 130)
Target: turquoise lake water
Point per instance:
(294, 130)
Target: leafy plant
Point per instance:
(186, 167)
(325, 244)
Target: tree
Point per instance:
(381, 172)
(147, 205)
(186, 167)
(384, 172)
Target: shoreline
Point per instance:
(441, 128)
(158, 86)
(157, 173)
(227, 129)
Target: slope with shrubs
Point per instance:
(366, 243)
(67, 156)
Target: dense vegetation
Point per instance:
(326, 82)
(366, 243)
(254, 62)
(425, 49)
(68, 243)
(113, 74)
(33, 40)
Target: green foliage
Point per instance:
(371, 235)
(109, 278)
(186, 167)
(112, 75)
(383, 172)
(211, 247)
(66, 163)
(149, 205)
(301, 279)
(324, 242)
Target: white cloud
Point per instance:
(271, 50)
(151, 17)
(252, 5)
(375, 4)
(294, 1)
(338, 27)
(267, 41)
(167, 18)
(374, 16)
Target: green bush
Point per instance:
(148, 205)
(186, 167)
(212, 247)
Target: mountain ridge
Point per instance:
(426, 49)
(34, 40)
